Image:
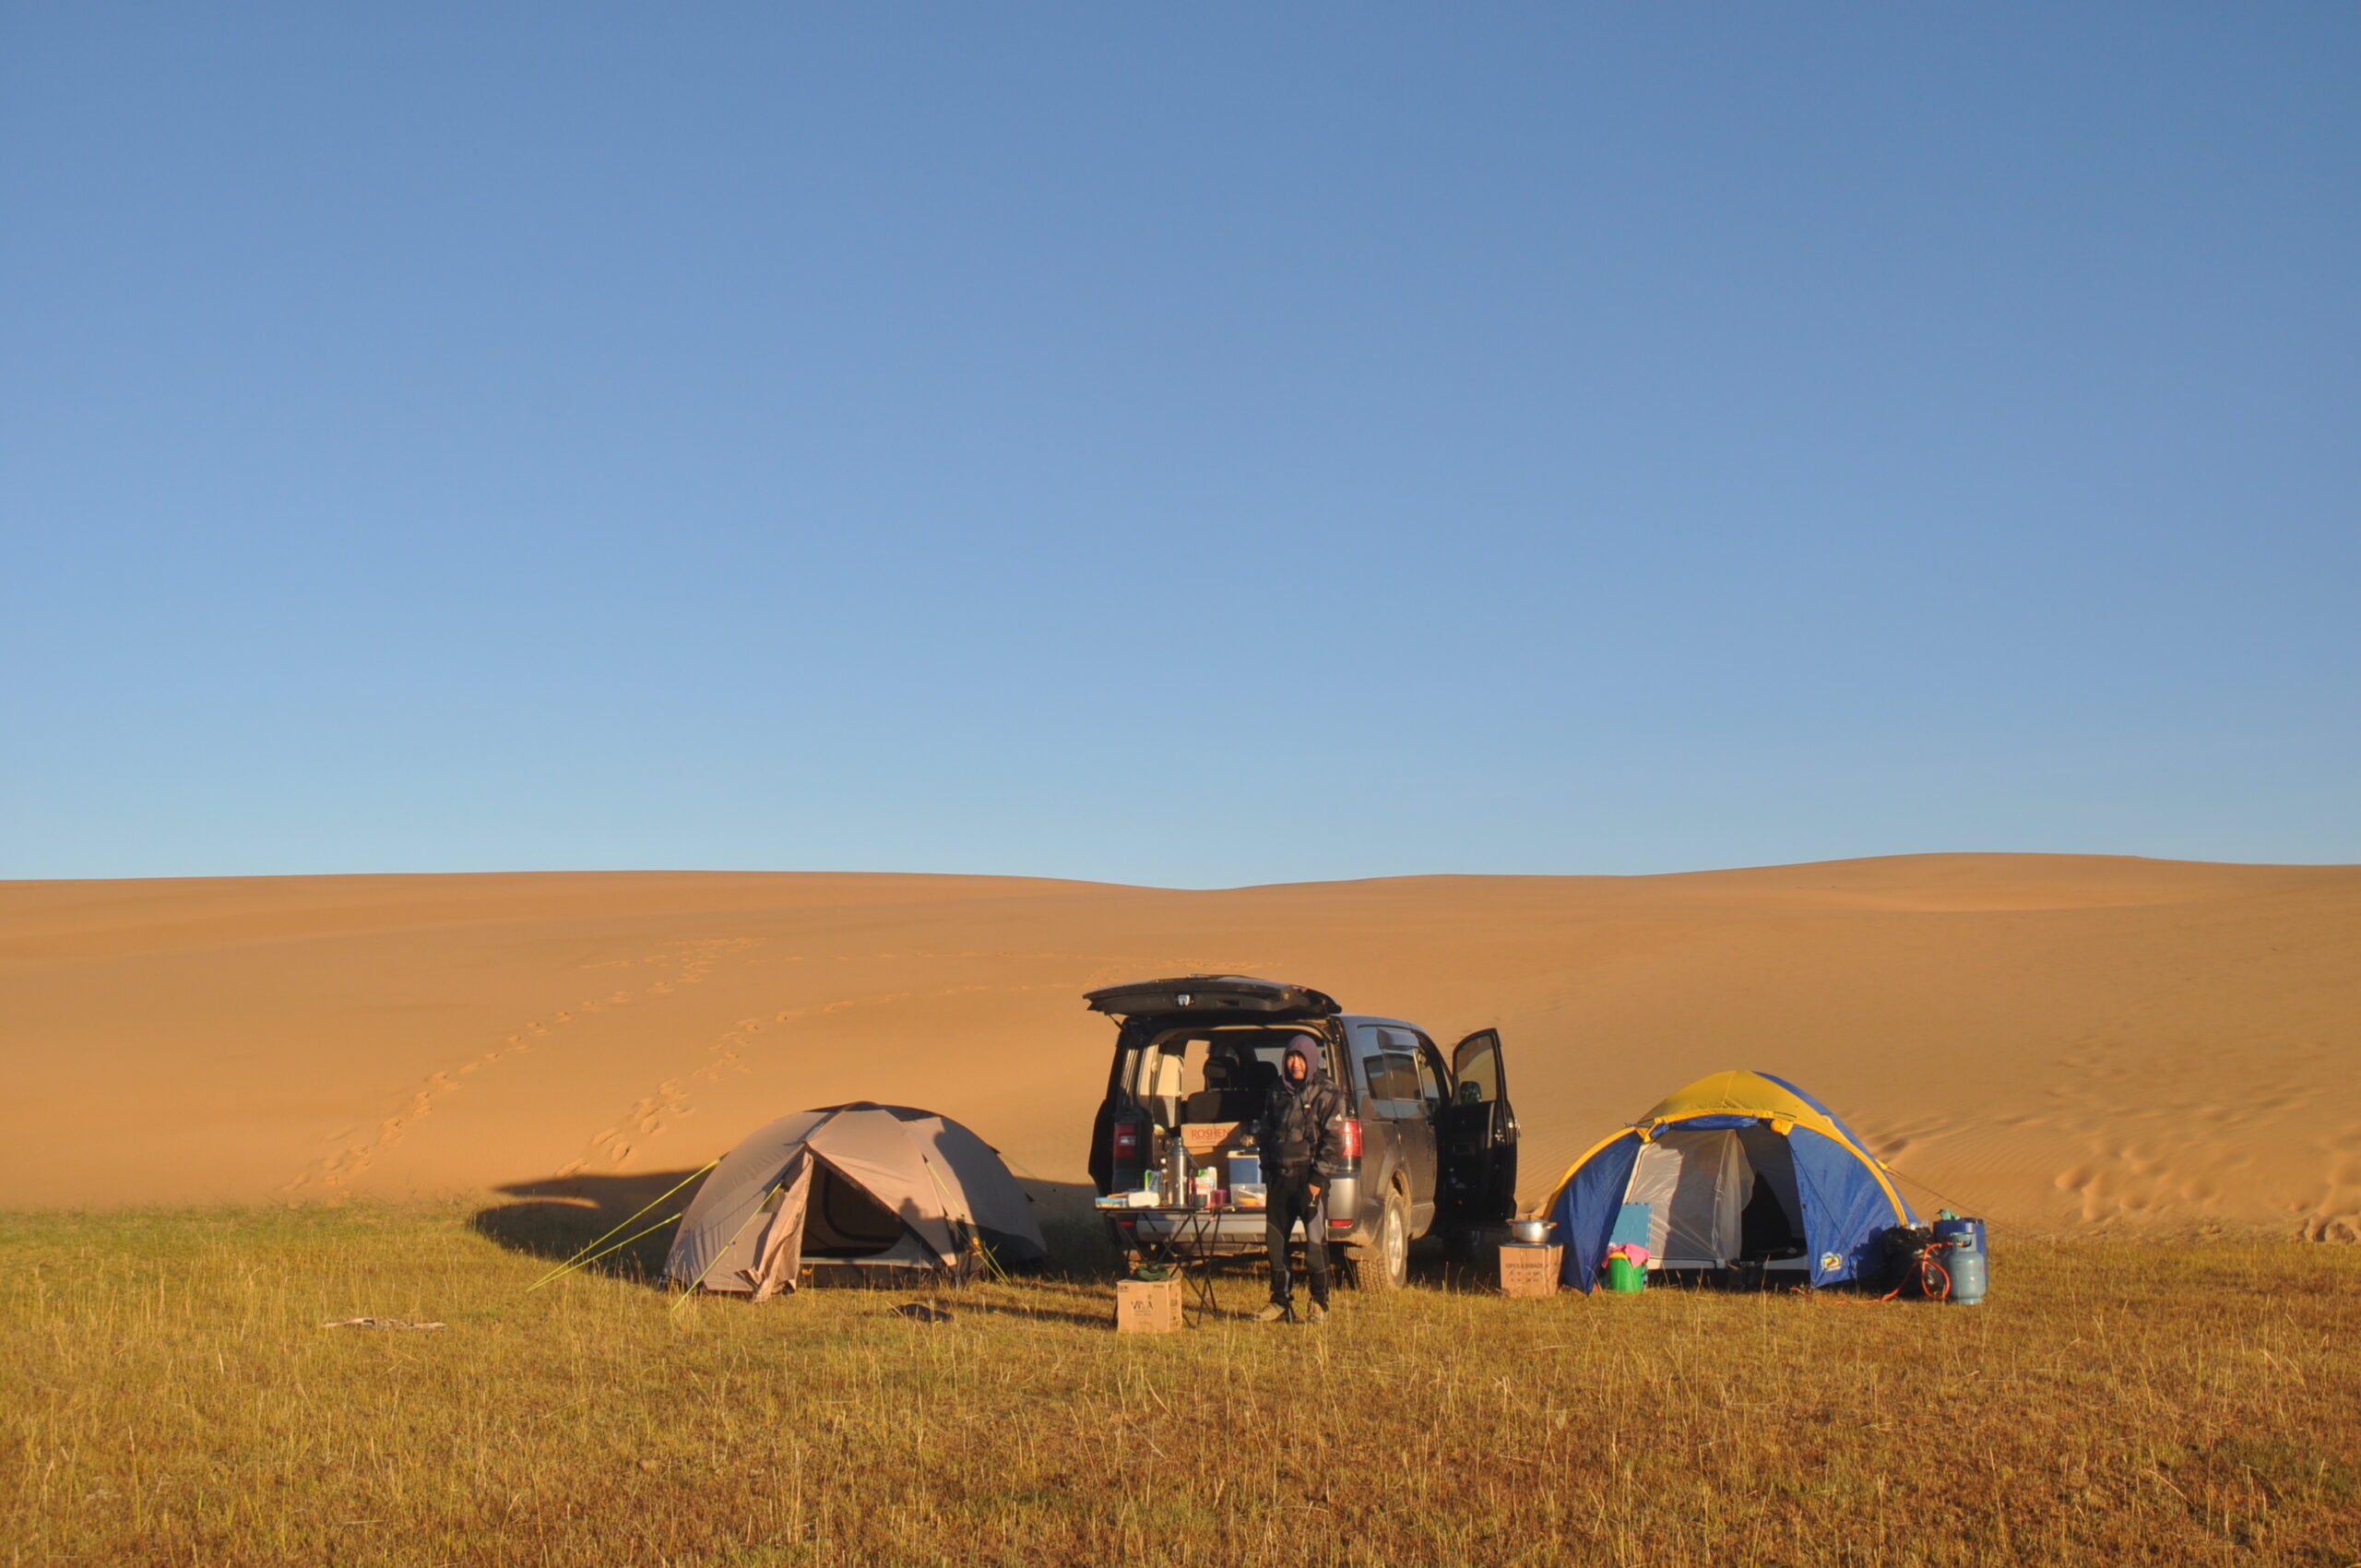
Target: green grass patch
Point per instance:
(168, 1395)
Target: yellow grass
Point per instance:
(167, 1394)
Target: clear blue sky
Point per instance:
(1187, 444)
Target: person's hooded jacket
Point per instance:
(1302, 1125)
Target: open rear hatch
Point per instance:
(1194, 994)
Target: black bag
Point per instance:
(1904, 1251)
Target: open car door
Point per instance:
(1476, 1136)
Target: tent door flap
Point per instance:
(1697, 1184)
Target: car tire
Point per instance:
(1384, 1264)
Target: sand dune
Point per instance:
(2058, 1042)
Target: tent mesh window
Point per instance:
(844, 1221)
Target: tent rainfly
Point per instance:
(856, 1193)
(1738, 1167)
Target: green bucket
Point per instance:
(1623, 1274)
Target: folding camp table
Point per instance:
(1187, 1246)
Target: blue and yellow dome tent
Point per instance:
(1736, 1166)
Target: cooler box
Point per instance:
(1246, 1189)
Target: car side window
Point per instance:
(1432, 1078)
(1481, 1082)
(1390, 1067)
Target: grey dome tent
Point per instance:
(856, 1193)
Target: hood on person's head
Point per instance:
(1306, 1048)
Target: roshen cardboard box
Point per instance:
(1529, 1270)
(1147, 1306)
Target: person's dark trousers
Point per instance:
(1291, 1200)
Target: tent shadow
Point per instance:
(559, 1217)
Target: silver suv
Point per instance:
(1431, 1143)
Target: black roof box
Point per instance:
(1212, 993)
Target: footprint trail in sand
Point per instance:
(686, 963)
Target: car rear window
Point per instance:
(1174, 1065)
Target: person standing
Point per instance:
(1303, 1143)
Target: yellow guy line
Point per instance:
(619, 1246)
(578, 1258)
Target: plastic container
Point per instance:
(1964, 1259)
(1623, 1276)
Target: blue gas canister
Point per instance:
(1963, 1258)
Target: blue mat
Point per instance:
(1632, 1225)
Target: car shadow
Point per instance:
(1459, 1270)
(1081, 1252)
(1085, 1303)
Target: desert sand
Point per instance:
(2059, 1042)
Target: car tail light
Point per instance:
(1348, 1133)
(1127, 1140)
(1340, 1225)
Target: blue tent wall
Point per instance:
(1587, 1208)
(1908, 1216)
(1845, 1209)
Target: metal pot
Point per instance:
(1530, 1232)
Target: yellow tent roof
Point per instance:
(1740, 1093)
(1743, 1094)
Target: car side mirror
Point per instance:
(1471, 1094)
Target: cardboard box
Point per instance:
(1147, 1306)
(1203, 1137)
(1528, 1270)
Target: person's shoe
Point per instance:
(1272, 1314)
(1316, 1313)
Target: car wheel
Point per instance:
(1385, 1265)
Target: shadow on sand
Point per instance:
(559, 1217)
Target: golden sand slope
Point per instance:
(2049, 1039)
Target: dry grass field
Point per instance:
(168, 1395)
